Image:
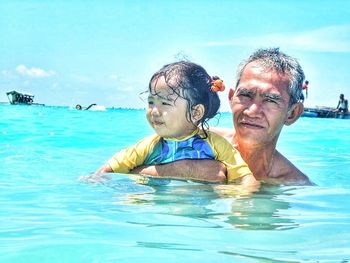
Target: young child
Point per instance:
(182, 98)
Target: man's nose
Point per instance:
(254, 109)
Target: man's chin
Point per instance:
(255, 135)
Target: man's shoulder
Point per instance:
(285, 172)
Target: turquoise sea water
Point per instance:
(47, 215)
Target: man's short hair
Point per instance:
(274, 59)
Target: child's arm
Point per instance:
(100, 175)
(106, 168)
(123, 161)
(127, 159)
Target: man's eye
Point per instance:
(150, 102)
(166, 103)
(272, 100)
(244, 95)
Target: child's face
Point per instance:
(166, 112)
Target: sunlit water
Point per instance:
(47, 215)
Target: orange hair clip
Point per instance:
(217, 85)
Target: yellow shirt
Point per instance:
(157, 150)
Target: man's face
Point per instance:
(260, 105)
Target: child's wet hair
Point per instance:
(191, 82)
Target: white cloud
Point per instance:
(8, 74)
(34, 72)
(326, 39)
(114, 77)
(81, 78)
(123, 83)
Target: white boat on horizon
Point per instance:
(16, 97)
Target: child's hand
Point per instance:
(95, 178)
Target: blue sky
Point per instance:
(104, 52)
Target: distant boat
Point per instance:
(325, 112)
(16, 97)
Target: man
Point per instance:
(342, 104)
(305, 87)
(266, 97)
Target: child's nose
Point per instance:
(155, 111)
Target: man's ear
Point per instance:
(197, 112)
(294, 113)
(230, 94)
